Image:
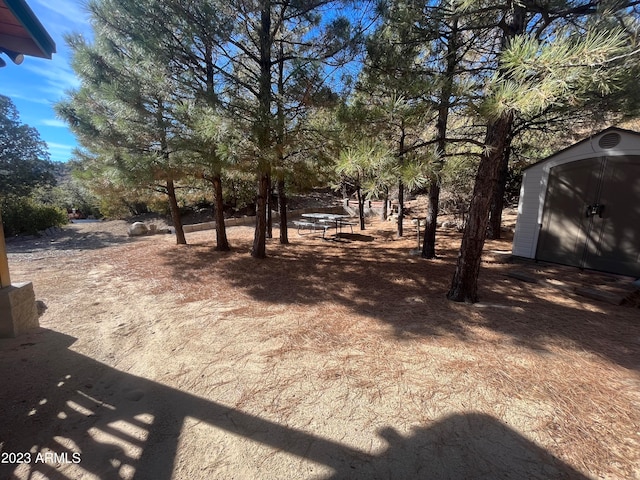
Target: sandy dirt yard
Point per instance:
(328, 360)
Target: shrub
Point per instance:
(23, 215)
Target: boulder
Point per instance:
(41, 307)
(136, 229)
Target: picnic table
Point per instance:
(323, 221)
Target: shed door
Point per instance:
(604, 237)
(614, 242)
(571, 187)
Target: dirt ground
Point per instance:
(328, 360)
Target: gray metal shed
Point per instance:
(581, 206)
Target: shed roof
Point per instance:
(583, 141)
(22, 32)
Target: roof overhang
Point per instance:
(22, 32)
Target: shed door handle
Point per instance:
(595, 209)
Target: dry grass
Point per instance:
(361, 329)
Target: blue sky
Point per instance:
(38, 83)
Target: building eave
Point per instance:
(22, 32)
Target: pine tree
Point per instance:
(265, 60)
(123, 113)
(426, 52)
(546, 55)
(190, 61)
(283, 48)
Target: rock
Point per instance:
(41, 307)
(136, 229)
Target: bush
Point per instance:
(22, 215)
(68, 195)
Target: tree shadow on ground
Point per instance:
(355, 237)
(67, 239)
(408, 293)
(54, 399)
(336, 273)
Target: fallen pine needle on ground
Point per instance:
(328, 359)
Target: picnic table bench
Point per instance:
(310, 225)
(339, 223)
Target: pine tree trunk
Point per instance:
(222, 244)
(280, 148)
(269, 233)
(497, 202)
(263, 132)
(429, 243)
(512, 24)
(360, 207)
(400, 208)
(401, 153)
(282, 207)
(385, 207)
(259, 249)
(175, 213)
(464, 286)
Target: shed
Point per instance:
(581, 205)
